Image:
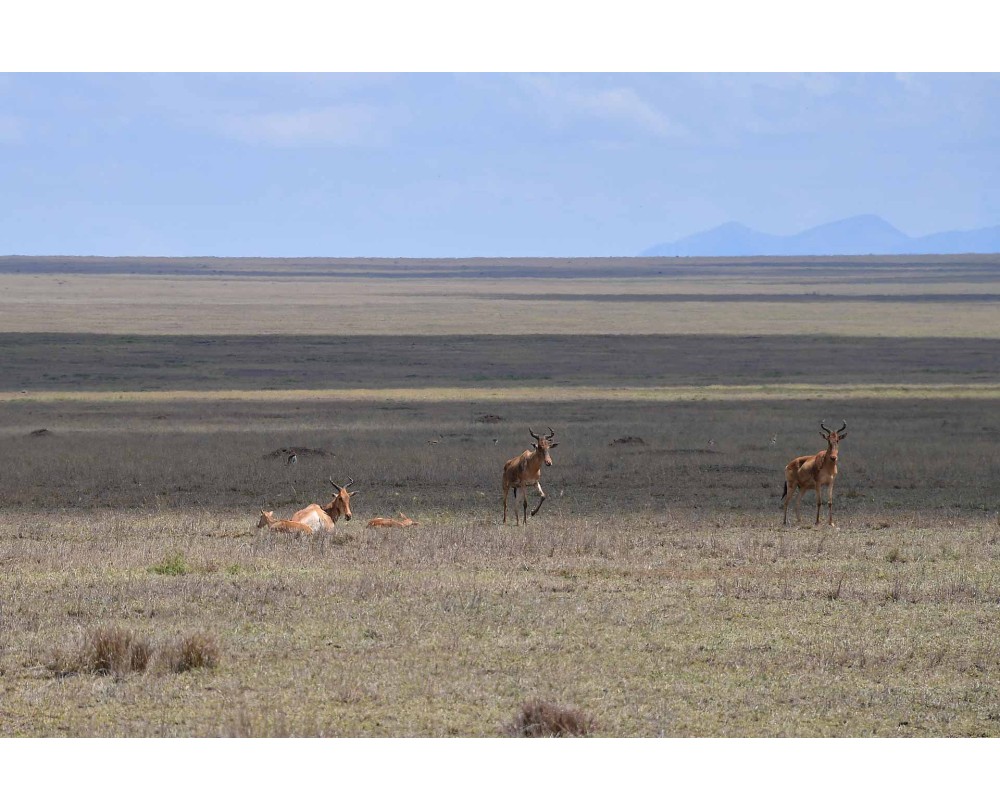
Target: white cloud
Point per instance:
(624, 104)
(339, 125)
(619, 105)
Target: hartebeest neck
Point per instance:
(829, 460)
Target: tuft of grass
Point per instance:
(197, 650)
(172, 564)
(835, 589)
(895, 556)
(105, 651)
(542, 719)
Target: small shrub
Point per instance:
(173, 564)
(192, 652)
(540, 719)
(895, 556)
(106, 651)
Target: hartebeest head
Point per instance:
(266, 517)
(542, 444)
(340, 505)
(833, 438)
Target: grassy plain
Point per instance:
(904, 297)
(655, 592)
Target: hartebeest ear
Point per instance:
(353, 493)
(841, 434)
(554, 445)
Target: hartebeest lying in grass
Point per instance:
(812, 472)
(324, 518)
(268, 520)
(525, 470)
(402, 521)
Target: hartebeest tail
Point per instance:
(812, 472)
(268, 520)
(324, 518)
(402, 521)
(525, 470)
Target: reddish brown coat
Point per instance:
(524, 471)
(813, 472)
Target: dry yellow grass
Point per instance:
(655, 593)
(550, 394)
(461, 297)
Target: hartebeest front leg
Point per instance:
(830, 495)
(819, 500)
(541, 492)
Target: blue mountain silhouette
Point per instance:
(865, 234)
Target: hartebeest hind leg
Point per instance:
(792, 490)
(798, 503)
(541, 492)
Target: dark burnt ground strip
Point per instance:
(968, 268)
(63, 361)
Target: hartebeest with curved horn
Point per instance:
(525, 470)
(325, 517)
(812, 472)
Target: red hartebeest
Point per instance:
(324, 518)
(525, 470)
(402, 521)
(268, 520)
(812, 472)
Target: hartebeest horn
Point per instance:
(823, 426)
(536, 436)
(842, 427)
(551, 433)
(349, 483)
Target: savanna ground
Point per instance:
(656, 593)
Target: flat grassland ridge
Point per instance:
(656, 592)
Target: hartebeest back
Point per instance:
(268, 520)
(812, 472)
(402, 521)
(324, 518)
(525, 470)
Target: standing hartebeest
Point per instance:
(268, 520)
(812, 472)
(525, 470)
(324, 518)
(402, 521)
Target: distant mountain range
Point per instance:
(866, 234)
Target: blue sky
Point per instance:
(591, 164)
